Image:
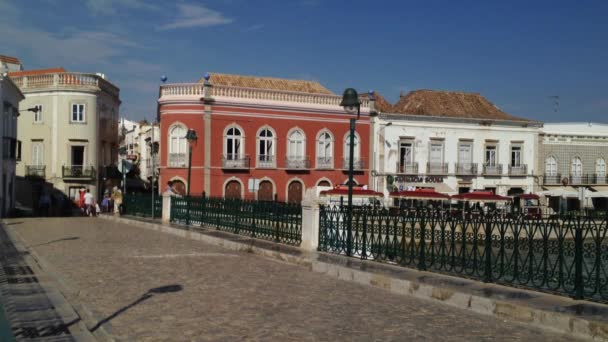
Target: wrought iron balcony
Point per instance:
(235, 162)
(78, 171)
(297, 163)
(466, 169)
(325, 163)
(600, 179)
(519, 170)
(587, 179)
(358, 164)
(178, 160)
(552, 179)
(492, 170)
(408, 168)
(266, 162)
(436, 168)
(35, 171)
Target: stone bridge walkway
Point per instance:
(203, 292)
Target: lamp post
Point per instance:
(191, 137)
(351, 104)
(123, 152)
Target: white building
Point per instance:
(10, 96)
(453, 142)
(138, 139)
(9, 64)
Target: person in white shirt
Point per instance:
(88, 203)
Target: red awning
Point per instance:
(481, 196)
(356, 192)
(421, 194)
(528, 196)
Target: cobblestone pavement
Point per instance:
(237, 296)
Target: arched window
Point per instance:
(296, 148)
(266, 149)
(551, 167)
(325, 150)
(177, 146)
(600, 171)
(358, 165)
(576, 170)
(233, 142)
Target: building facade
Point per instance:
(258, 138)
(73, 137)
(9, 64)
(574, 155)
(453, 142)
(10, 97)
(140, 141)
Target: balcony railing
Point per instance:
(64, 80)
(492, 170)
(519, 170)
(35, 171)
(437, 168)
(325, 163)
(297, 163)
(552, 179)
(178, 160)
(266, 162)
(78, 171)
(600, 179)
(235, 162)
(408, 168)
(466, 169)
(358, 164)
(587, 179)
(198, 90)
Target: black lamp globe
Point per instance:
(191, 136)
(350, 100)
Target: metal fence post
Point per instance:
(488, 251)
(579, 284)
(422, 243)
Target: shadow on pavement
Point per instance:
(58, 240)
(145, 296)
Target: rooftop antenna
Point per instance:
(555, 103)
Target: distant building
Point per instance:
(9, 64)
(72, 140)
(137, 139)
(280, 136)
(10, 97)
(453, 142)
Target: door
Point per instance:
(179, 187)
(77, 165)
(233, 190)
(265, 191)
(294, 192)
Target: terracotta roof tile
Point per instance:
(450, 104)
(382, 104)
(9, 59)
(36, 72)
(268, 83)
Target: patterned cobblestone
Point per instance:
(237, 296)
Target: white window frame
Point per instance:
(490, 159)
(178, 145)
(600, 167)
(356, 150)
(38, 118)
(551, 166)
(41, 161)
(238, 143)
(266, 158)
(441, 145)
(325, 149)
(519, 162)
(296, 146)
(402, 146)
(82, 115)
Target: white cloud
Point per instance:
(196, 16)
(108, 7)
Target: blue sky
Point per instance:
(515, 53)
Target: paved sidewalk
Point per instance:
(223, 295)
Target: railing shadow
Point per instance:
(144, 297)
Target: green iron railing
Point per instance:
(566, 255)
(271, 220)
(140, 205)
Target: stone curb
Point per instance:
(579, 319)
(69, 292)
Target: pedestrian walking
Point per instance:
(88, 203)
(117, 196)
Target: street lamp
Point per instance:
(191, 137)
(123, 152)
(351, 104)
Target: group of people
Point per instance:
(110, 202)
(87, 203)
